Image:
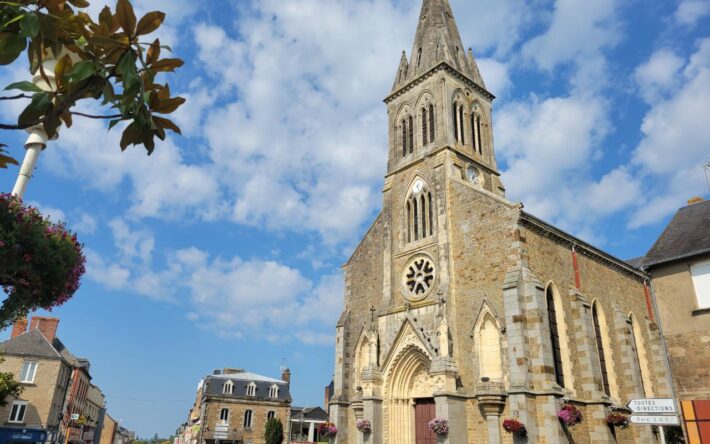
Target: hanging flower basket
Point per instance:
(364, 426)
(617, 420)
(328, 430)
(570, 415)
(515, 427)
(439, 426)
(41, 263)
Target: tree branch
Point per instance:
(19, 96)
(91, 116)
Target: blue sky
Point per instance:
(224, 247)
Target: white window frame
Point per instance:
(224, 415)
(248, 419)
(28, 372)
(700, 274)
(274, 391)
(21, 407)
(228, 388)
(251, 389)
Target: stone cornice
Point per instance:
(443, 66)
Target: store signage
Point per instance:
(655, 420)
(22, 435)
(74, 434)
(652, 405)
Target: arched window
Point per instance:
(228, 388)
(419, 58)
(456, 122)
(404, 138)
(640, 362)
(271, 415)
(461, 126)
(251, 389)
(555, 338)
(476, 135)
(489, 349)
(410, 133)
(420, 212)
(425, 130)
(432, 124)
(601, 352)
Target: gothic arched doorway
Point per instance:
(409, 399)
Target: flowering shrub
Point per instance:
(617, 420)
(439, 426)
(41, 263)
(328, 430)
(570, 415)
(364, 426)
(514, 426)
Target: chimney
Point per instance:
(46, 326)
(695, 200)
(19, 328)
(286, 376)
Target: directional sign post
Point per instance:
(652, 405)
(658, 420)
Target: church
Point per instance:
(461, 306)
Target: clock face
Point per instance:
(418, 186)
(472, 174)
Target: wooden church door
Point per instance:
(425, 411)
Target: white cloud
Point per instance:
(54, 214)
(659, 75)
(112, 276)
(132, 244)
(689, 12)
(675, 141)
(86, 224)
(496, 75)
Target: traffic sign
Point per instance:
(652, 405)
(655, 420)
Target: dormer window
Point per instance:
(228, 388)
(251, 389)
(274, 391)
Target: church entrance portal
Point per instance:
(425, 411)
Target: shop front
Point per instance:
(22, 436)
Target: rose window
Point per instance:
(418, 279)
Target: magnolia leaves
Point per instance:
(104, 61)
(6, 160)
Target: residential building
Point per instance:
(461, 305)
(108, 432)
(43, 365)
(94, 415)
(679, 265)
(124, 436)
(233, 405)
(306, 423)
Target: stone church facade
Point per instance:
(460, 305)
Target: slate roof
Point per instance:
(309, 413)
(32, 343)
(636, 262)
(687, 235)
(214, 385)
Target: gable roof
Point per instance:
(214, 385)
(32, 343)
(309, 413)
(687, 235)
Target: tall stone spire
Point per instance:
(438, 40)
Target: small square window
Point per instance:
(17, 413)
(29, 370)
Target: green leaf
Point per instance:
(82, 71)
(129, 75)
(150, 22)
(29, 25)
(24, 86)
(79, 3)
(13, 20)
(11, 46)
(126, 17)
(113, 123)
(36, 109)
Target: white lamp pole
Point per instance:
(37, 141)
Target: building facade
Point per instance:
(234, 405)
(41, 364)
(461, 306)
(679, 265)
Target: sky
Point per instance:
(223, 248)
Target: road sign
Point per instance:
(652, 405)
(655, 420)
